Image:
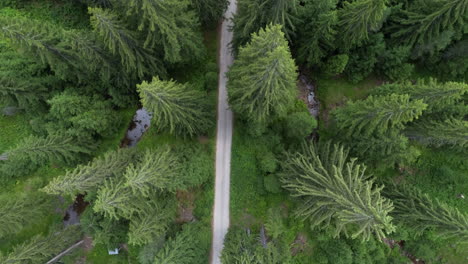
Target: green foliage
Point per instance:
(451, 132)
(357, 18)
(393, 63)
(40, 249)
(182, 249)
(362, 60)
(262, 81)
(87, 178)
(335, 65)
(422, 213)
(317, 21)
(299, 125)
(336, 190)
(267, 162)
(210, 11)
(114, 201)
(81, 116)
(156, 170)
(103, 230)
(119, 40)
(378, 114)
(440, 97)
(272, 184)
(252, 15)
(195, 165)
(274, 225)
(176, 108)
(150, 224)
(18, 212)
(425, 26)
(170, 25)
(34, 152)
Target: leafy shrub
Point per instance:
(211, 81)
(335, 65)
(272, 184)
(299, 125)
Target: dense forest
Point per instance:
(350, 140)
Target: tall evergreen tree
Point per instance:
(378, 114)
(451, 132)
(151, 224)
(169, 24)
(437, 96)
(121, 41)
(262, 81)
(115, 200)
(425, 26)
(176, 108)
(336, 190)
(420, 212)
(318, 19)
(87, 178)
(252, 15)
(157, 170)
(182, 249)
(19, 212)
(358, 18)
(34, 151)
(210, 11)
(40, 249)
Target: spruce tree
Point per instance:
(169, 24)
(421, 212)
(378, 114)
(210, 11)
(336, 190)
(150, 224)
(121, 41)
(426, 26)
(176, 108)
(34, 152)
(18, 212)
(115, 200)
(28, 94)
(438, 96)
(358, 18)
(451, 132)
(41, 249)
(87, 178)
(262, 80)
(318, 21)
(182, 249)
(157, 170)
(252, 15)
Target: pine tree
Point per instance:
(378, 114)
(34, 151)
(358, 18)
(182, 249)
(438, 96)
(262, 81)
(157, 170)
(24, 94)
(318, 20)
(337, 190)
(40, 249)
(87, 178)
(18, 212)
(451, 132)
(422, 213)
(176, 108)
(252, 15)
(423, 26)
(121, 41)
(169, 24)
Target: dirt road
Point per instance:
(223, 142)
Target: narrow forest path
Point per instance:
(223, 141)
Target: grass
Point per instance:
(12, 130)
